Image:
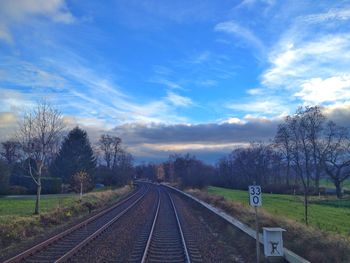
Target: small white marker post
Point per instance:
(255, 201)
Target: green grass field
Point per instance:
(329, 215)
(329, 184)
(18, 223)
(24, 206)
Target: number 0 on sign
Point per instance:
(255, 195)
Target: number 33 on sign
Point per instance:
(255, 195)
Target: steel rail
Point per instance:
(180, 229)
(42, 245)
(151, 232)
(289, 255)
(75, 249)
(178, 224)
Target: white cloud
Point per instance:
(8, 125)
(293, 62)
(168, 83)
(251, 118)
(19, 10)
(5, 34)
(318, 90)
(103, 95)
(243, 33)
(257, 91)
(7, 119)
(308, 64)
(247, 3)
(234, 120)
(330, 15)
(72, 85)
(184, 147)
(311, 60)
(207, 82)
(91, 123)
(251, 3)
(259, 106)
(14, 12)
(339, 112)
(178, 100)
(15, 101)
(23, 73)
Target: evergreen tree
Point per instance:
(75, 156)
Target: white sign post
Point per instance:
(255, 195)
(255, 200)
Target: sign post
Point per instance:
(255, 200)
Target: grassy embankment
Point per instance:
(328, 214)
(17, 222)
(331, 216)
(24, 206)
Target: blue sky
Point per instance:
(175, 75)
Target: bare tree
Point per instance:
(11, 151)
(105, 144)
(39, 132)
(304, 131)
(111, 147)
(276, 167)
(283, 143)
(80, 179)
(117, 150)
(300, 154)
(124, 167)
(335, 157)
(314, 120)
(160, 172)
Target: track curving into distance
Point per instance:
(163, 239)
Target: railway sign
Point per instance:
(273, 241)
(255, 198)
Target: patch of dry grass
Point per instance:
(308, 242)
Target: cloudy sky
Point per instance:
(175, 76)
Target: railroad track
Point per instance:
(163, 239)
(63, 246)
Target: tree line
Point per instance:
(44, 158)
(183, 169)
(306, 148)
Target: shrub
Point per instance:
(50, 185)
(281, 189)
(18, 190)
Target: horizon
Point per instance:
(197, 77)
